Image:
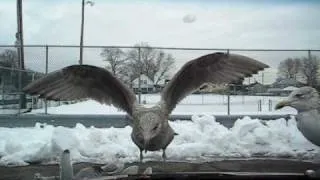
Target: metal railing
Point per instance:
(42, 59)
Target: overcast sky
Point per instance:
(280, 24)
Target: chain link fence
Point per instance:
(258, 93)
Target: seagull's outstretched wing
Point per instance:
(83, 81)
(218, 68)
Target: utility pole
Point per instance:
(20, 33)
(91, 3)
(81, 33)
(19, 43)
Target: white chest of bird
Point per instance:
(309, 124)
(151, 130)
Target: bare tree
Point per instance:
(155, 64)
(142, 59)
(115, 58)
(9, 63)
(289, 68)
(164, 63)
(309, 70)
(9, 58)
(118, 64)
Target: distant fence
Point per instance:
(106, 121)
(42, 59)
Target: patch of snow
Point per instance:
(201, 138)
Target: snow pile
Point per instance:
(200, 139)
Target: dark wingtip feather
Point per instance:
(263, 66)
(27, 88)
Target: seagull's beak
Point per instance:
(146, 144)
(282, 104)
(146, 137)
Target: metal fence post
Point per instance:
(242, 99)
(270, 105)
(139, 83)
(309, 54)
(32, 98)
(3, 84)
(228, 103)
(259, 105)
(312, 83)
(19, 78)
(46, 71)
(202, 97)
(228, 92)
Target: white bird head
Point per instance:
(150, 124)
(302, 99)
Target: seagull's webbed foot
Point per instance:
(164, 156)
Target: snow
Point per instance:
(198, 140)
(202, 139)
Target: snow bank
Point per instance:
(200, 139)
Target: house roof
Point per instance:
(289, 81)
(143, 75)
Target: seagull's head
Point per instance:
(150, 126)
(302, 99)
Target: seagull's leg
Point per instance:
(164, 156)
(141, 155)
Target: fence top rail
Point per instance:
(16, 69)
(159, 47)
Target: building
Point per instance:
(256, 88)
(282, 92)
(283, 83)
(146, 84)
(160, 85)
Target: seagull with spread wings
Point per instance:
(150, 128)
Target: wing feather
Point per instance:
(83, 81)
(218, 68)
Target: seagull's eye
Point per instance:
(156, 127)
(299, 95)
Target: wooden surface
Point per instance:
(267, 165)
